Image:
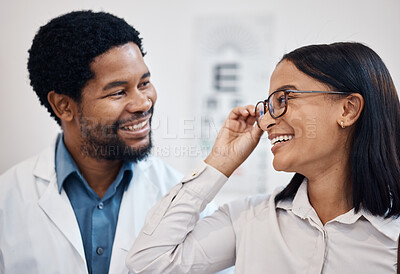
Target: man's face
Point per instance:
(116, 106)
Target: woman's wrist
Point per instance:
(222, 164)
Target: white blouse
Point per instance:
(257, 235)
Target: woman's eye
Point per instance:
(281, 100)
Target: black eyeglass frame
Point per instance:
(286, 92)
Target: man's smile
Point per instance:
(134, 126)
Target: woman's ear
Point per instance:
(352, 108)
(63, 106)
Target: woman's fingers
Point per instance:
(244, 114)
(235, 141)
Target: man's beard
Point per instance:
(102, 142)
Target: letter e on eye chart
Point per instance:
(231, 54)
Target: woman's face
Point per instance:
(307, 138)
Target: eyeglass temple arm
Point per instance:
(316, 91)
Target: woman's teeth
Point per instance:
(282, 138)
(136, 126)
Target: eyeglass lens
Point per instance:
(259, 111)
(276, 105)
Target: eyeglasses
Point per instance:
(276, 103)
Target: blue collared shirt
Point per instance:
(97, 218)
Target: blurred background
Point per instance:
(205, 58)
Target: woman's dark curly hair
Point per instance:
(64, 48)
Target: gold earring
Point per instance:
(341, 124)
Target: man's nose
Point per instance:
(139, 101)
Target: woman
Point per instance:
(333, 117)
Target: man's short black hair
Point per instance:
(64, 48)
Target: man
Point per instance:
(78, 206)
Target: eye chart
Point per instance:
(232, 68)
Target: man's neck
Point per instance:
(99, 174)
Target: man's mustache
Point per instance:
(135, 116)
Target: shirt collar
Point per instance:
(388, 226)
(65, 166)
(300, 206)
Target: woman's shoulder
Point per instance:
(252, 206)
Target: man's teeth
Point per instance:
(136, 126)
(282, 138)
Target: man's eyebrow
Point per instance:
(121, 83)
(115, 84)
(147, 74)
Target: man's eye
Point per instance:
(118, 93)
(144, 84)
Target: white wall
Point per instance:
(166, 27)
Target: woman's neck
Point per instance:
(330, 192)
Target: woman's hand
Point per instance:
(235, 141)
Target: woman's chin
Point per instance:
(279, 166)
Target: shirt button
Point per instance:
(100, 206)
(194, 173)
(99, 251)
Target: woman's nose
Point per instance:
(266, 121)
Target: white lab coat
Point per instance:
(39, 232)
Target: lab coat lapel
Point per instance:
(60, 211)
(57, 206)
(138, 198)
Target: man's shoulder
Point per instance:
(158, 172)
(152, 160)
(24, 167)
(156, 164)
(41, 165)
